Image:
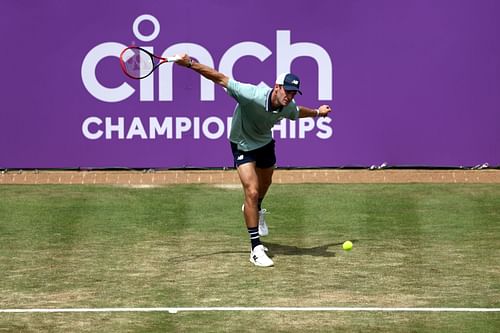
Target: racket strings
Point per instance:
(137, 63)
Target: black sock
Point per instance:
(254, 236)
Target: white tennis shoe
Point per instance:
(258, 257)
(263, 230)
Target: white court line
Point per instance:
(208, 309)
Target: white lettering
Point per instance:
(240, 50)
(305, 125)
(220, 128)
(292, 129)
(182, 125)
(286, 53)
(89, 77)
(156, 27)
(86, 128)
(156, 128)
(280, 127)
(147, 85)
(212, 128)
(136, 128)
(110, 128)
(207, 91)
(196, 127)
(325, 131)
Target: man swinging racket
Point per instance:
(257, 111)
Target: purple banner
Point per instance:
(411, 82)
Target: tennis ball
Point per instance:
(347, 246)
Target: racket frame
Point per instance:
(161, 60)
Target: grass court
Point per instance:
(415, 245)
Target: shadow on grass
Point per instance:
(274, 249)
(291, 250)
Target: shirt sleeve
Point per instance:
(241, 92)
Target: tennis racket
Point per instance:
(137, 63)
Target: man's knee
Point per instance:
(252, 194)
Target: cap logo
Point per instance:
(289, 81)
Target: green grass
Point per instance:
(184, 246)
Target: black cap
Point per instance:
(289, 81)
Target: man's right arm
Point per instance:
(207, 72)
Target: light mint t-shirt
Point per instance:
(252, 118)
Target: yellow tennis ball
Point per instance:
(347, 246)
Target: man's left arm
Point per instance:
(322, 111)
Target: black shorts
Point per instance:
(264, 157)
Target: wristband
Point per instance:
(190, 63)
(317, 112)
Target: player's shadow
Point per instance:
(291, 250)
(274, 249)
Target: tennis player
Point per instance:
(252, 145)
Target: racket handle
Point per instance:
(174, 58)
